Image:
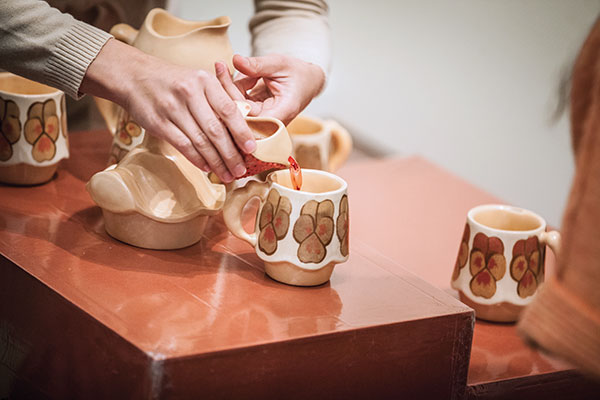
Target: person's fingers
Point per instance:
(203, 145)
(246, 83)
(260, 66)
(260, 92)
(182, 142)
(215, 144)
(284, 109)
(227, 110)
(223, 76)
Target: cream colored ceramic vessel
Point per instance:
(194, 44)
(500, 263)
(33, 130)
(300, 234)
(319, 144)
(155, 198)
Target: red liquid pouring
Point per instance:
(295, 173)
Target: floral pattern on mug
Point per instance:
(487, 264)
(343, 222)
(116, 154)
(42, 129)
(463, 252)
(313, 230)
(274, 221)
(527, 265)
(127, 130)
(10, 128)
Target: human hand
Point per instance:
(186, 107)
(275, 86)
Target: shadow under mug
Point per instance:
(33, 130)
(500, 262)
(300, 235)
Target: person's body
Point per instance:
(191, 109)
(564, 318)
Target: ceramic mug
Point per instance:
(299, 234)
(500, 262)
(33, 130)
(319, 144)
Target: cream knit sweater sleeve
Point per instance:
(298, 28)
(43, 44)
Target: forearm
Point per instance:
(45, 45)
(296, 28)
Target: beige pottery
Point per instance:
(154, 197)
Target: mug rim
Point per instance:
(472, 211)
(322, 131)
(342, 182)
(54, 91)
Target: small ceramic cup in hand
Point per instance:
(299, 234)
(33, 130)
(319, 144)
(500, 262)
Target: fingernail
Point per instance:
(227, 177)
(219, 67)
(205, 168)
(239, 170)
(250, 146)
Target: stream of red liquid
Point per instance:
(295, 173)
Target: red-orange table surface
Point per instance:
(417, 216)
(85, 316)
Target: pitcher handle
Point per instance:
(124, 33)
(234, 205)
(341, 145)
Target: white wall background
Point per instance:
(469, 84)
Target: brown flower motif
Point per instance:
(463, 252)
(10, 128)
(487, 264)
(42, 129)
(127, 130)
(274, 221)
(527, 265)
(116, 154)
(343, 222)
(314, 230)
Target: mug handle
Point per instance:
(341, 145)
(107, 108)
(234, 205)
(553, 240)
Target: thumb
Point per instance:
(268, 66)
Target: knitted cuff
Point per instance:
(72, 55)
(562, 323)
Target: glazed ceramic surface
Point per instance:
(300, 234)
(500, 263)
(319, 144)
(33, 130)
(194, 44)
(155, 198)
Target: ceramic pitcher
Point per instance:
(154, 197)
(194, 44)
